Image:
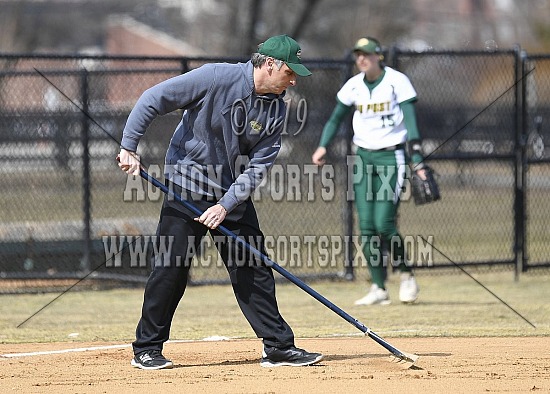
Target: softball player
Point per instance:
(384, 124)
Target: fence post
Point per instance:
(349, 273)
(520, 165)
(184, 65)
(86, 193)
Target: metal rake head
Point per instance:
(405, 360)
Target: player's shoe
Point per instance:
(151, 359)
(291, 356)
(408, 290)
(376, 295)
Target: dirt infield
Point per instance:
(351, 364)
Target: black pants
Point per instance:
(253, 282)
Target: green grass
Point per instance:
(62, 201)
(449, 305)
(470, 223)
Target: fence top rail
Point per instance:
(74, 72)
(431, 52)
(345, 58)
(184, 63)
(79, 56)
(539, 56)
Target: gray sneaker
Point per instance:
(151, 359)
(291, 356)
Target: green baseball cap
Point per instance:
(286, 49)
(368, 45)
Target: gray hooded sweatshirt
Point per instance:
(228, 136)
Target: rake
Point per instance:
(407, 360)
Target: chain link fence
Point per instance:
(69, 213)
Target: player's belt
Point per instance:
(388, 148)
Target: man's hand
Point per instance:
(213, 216)
(129, 162)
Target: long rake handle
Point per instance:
(298, 282)
(266, 259)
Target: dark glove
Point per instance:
(424, 191)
